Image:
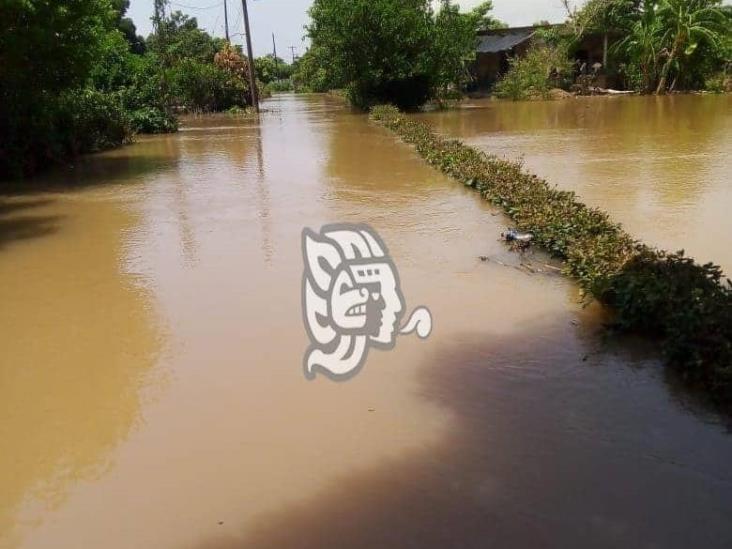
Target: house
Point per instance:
(495, 47)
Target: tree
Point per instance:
(687, 24)
(605, 17)
(47, 52)
(641, 45)
(178, 37)
(310, 73)
(454, 41)
(395, 51)
(127, 27)
(270, 69)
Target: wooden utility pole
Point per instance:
(292, 49)
(274, 52)
(226, 21)
(252, 77)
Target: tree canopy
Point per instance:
(395, 50)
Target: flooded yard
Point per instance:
(151, 383)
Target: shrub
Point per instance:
(535, 74)
(152, 120)
(279, 86)
(91, 121)
(206, 87)
(74, 122)
(688, 305)
(718, 83)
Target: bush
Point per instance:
(279, 86)
(91, 121)
(206, 87)
(718, 83)
(75, 122)
(406, 93)
(310, 74)
(535, 74)
(152, 120)
(667, 295)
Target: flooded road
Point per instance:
(151, 383)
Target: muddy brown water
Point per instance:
(151, 384)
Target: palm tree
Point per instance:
(642, 44)
(686, 23)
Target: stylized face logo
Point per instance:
(351, 299)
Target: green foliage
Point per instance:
(127, 27)
(72, 122)
(191, 69)
(640, 47)
(89, 121)
(312, 73)
(541, 69)
(206, 87)
(718, 83)
(50, 46)
(668, 295)
(178, 38)
(279, 86)
(47, 52)
(605, 16)
(392, 50)
(688, 305)
(152, 120)
(662, 44)
(270, 69)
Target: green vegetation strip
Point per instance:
(666, 295)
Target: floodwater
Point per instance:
(151, 383)
(662, 166)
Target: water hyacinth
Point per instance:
(666, 295)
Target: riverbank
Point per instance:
(651, 291)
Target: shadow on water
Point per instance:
(16, 224)
(554, 442)
(91, 171)
(19, 198)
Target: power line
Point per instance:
(200, 8)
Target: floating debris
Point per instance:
(514, 235)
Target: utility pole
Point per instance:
(226, 21)
(252, 78)
(274, 50)
(292, 49)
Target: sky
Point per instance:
(286, 18)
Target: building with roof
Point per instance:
(495, 47)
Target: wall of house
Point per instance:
(488, 68)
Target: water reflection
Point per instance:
(78, 342)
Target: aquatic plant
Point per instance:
(689, 306)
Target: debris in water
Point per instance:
(514, 235)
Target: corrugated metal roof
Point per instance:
(503, 40)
